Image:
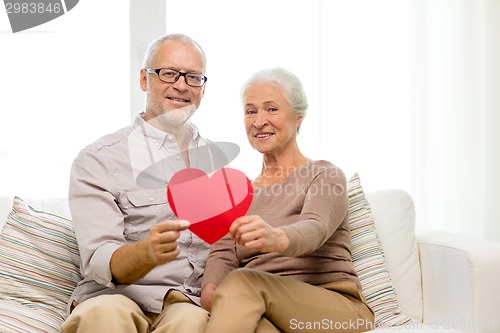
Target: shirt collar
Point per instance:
(158, 136)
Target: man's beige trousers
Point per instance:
(118, 313)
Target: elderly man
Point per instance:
(142, 267)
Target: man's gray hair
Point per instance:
(151, 50)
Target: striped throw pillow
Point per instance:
(369, 261)
(16, 318)
(39, 264)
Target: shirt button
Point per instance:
(170, 137)
(151, 199)
(178, 157)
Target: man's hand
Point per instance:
(132, 262)
(255, 234)
(162, 241)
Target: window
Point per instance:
(351, 56)
(63, 84)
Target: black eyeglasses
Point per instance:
(168, 75)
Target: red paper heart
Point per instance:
(210, 204)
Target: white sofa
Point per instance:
(442, 281)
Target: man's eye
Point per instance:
(194, 77)
(169, 74)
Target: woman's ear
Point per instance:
(298, 122)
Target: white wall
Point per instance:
(353, 64)
(63, 84)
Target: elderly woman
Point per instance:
(286, 266)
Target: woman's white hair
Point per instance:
(288, 82)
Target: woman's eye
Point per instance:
(250, 112)
(272, 109)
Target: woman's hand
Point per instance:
(255, 234)
(207, 295)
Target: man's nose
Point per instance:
(181, 83)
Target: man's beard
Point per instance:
(176, 118)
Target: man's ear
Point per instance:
(144, 79)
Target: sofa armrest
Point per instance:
(460, 284)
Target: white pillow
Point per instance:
(394, 216)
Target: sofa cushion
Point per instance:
(394, 217)
(58, 206)
(5, 207)
(369, 260)
(15, 318)
(39, 260)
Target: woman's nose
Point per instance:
(260, 120)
